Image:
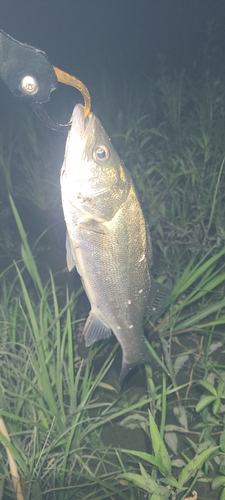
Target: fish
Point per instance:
(108, 240)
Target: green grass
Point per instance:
(174, 146)
(57, 406)
(47, 390)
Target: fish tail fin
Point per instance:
(127, 366)
(125, 369)
(149, 359)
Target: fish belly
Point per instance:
(112, 262)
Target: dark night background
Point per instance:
(173, 145)
(117, 39)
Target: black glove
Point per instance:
(29, 75)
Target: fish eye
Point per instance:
(101, 154)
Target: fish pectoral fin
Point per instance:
(95, 329)
(94, 226)
(70, 253)
(91, 225)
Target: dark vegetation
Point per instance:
(73, 435)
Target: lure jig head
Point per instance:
(30, 76)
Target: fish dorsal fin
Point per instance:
(158, 293)
(95, 329)
(149, 248)
(70, 253)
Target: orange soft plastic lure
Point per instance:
(67, 79)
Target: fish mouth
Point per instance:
(81, 125)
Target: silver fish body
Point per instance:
(107, 238)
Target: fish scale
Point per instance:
(108, 240)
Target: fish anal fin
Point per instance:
(95, 329)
